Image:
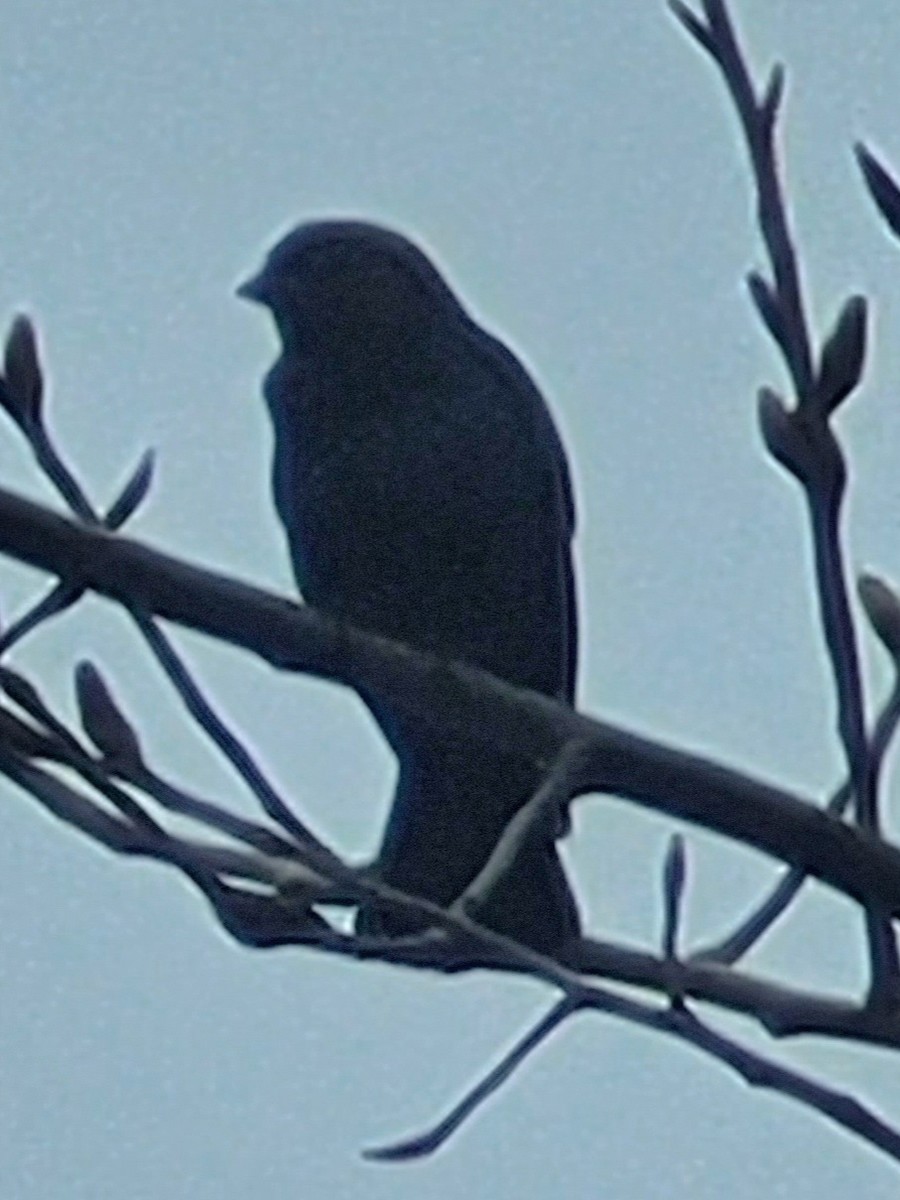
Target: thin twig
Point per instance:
(236, 753)
(758, 119)
(67, 593)
(808, 447)
(432, 1139)
(266, 841)
(754, 1068)
(733, 947)
(539, 818)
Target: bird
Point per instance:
(426, 496)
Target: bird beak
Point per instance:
(256, 289)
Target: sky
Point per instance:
(575, 170)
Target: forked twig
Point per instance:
(802, 439)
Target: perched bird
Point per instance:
(426, 497)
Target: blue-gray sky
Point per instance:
(576, 171)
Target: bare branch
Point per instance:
(215, 728)
(805, 444)
(293, 636)
(758, 120)
(426, 1143)
(547, 807)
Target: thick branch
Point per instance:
(295, 637)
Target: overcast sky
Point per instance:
(575, 170)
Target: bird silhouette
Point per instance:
(426, 497)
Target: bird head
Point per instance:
(350, 288)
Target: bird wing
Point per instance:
(511, 371)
